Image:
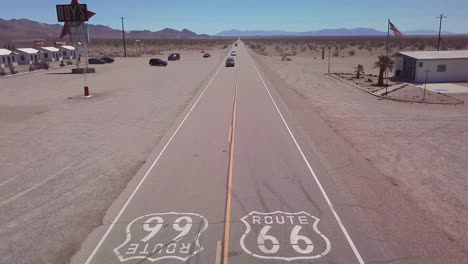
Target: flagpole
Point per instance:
(388, 35)
(388, 52)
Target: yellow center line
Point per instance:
(218, 252)
(227, 226)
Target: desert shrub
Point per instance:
(303, 49)
(360, 47)
(421, 46)
(13, 70)
(225, 46)
(352, 53)
(335, 54)
(285, 58)
(32, 68)
(69, 62)
(369, 80)
(2, 72)
(45, 65)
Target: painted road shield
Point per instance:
(283, 236)
(163, 236)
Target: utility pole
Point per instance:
(123, 37)
(440, 29)
(329, 51)
(427, 71)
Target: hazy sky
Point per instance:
(213, 16)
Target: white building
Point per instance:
(68, 52)
(51, 54)
(29, 56)
(440, 66)
(7, 58)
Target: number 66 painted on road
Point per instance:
(294, 239)
(298, 247)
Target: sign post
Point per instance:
(75, 15)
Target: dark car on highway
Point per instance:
(206, 55)
(107, 59)
(157, 62)
(174, 57)
(230, 62)
(96, 61)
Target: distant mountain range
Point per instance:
(24, 28)
(323, 32)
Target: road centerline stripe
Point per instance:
(227, 222)
(312, 172)
(116, 219)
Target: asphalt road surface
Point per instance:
(231, 184)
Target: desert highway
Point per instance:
(232, 184)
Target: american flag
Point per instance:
(395, 30)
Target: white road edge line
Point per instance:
(98, 246)
(330, 205)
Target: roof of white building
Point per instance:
(4, 52)
(68, 47)
(434, 55)
(51, 49)
(28, 50)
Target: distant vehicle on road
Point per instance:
(174, 57)
(235, 44)
(158, 62)
(96, 61)
(233, 53)
(206, 55)
(107, 59)
(230, 62)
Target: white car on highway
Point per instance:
(233, 53)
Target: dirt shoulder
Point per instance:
(420, 150)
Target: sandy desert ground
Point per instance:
(420, 149)
(66, 158)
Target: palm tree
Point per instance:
(359, 70)
(383, 64)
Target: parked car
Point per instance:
(96, 61)
(174, 57)
(230, 62)
(107, 59)
(206, 55)
(233, 53)
(157, 62)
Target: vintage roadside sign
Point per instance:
(72, 13)
(283, 236)
(163, 236)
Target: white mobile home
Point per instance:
(68, 52)
(51, 54)
(29, 56)
(440, 66)
(7, 58)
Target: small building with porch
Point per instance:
(51, 54)
(29, 56)
(68, 52)
(7, 58)
(437, 66)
